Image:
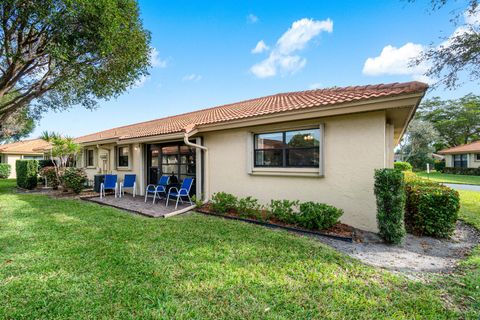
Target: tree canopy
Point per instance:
(457, 121)
(59, 53)
(418, 143)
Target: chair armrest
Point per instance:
(180, 191)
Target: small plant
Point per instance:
(249, 208)
(74, 179)
(5, 170)
(390, 194)
(403, 166)
(27, 173)
(284, 210)
(318, 216)
(198, 202)
(50, 174)
(223, 202)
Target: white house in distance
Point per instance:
(27, 149)
(464, 156)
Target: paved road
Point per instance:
(463, 187)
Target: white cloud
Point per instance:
(251, 18)
(282, 58)
(155, 59)
(140, 82)
(260, 47)
(192, 77)
(316, 85)
(472, 18)
(395, 61)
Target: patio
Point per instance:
(139, 206)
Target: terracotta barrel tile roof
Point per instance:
(277, 103)
(473, 147)
(24, 147)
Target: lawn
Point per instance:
(450, 178)
(71, 259)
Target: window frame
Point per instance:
(477, 157)
(463, 160)
(117, 160)
(87, 165)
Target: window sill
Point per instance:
(291, 172)
(124, 168)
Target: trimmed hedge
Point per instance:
(308, 215)
(5, 170)
(27, 173)
(431, 208)
(402, 166)
(45, 163)
(463, 171)
(390, 194)
(74, 179)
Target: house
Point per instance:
(464, 156)
(317, 145)
(27, 149)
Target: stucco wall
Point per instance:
(11, 159)
(354, 146)
(472, 163)
(448, 160)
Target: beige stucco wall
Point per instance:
(105, 162)
(448, 160)
(354, 146)
(11, 160)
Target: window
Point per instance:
(299, 148)
(123, 153)
(477, 157)
(90, 158)
(460, 161)
(32, 157)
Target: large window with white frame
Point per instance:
(460, 160)
(477, 157)
(90, 158)
(123, 156)
(288, 149)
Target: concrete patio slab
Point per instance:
(138, 205)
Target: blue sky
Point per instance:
(202, 54)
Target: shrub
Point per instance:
(27, 172)
(50, 174)
(462, 171)
(431, 209)
(5, 170)
(390, 194)
(74, 179)
(223, 202)
(318, 215)
(284, 210)
(250, 208)
(45, 163)
(439, 165)
(402, 166)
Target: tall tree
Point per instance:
(457, 121)
(17, 126)
(59, 53)
(459, 53)
(418, 143)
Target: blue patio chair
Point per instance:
(183, 192)
(110, 183)
(129, 182)
(158, 189)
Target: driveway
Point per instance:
(463, 187)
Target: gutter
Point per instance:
(190, 130)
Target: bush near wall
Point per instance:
(5, 170)
(463, 171)
(51, 175)
(390, 194)
(45, 163)
(439, 165)
(431, 209)
(74, 179)
(27, 173)
(402, 166)
(308, 215)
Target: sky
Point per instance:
(209, 53)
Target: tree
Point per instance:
(456, 121)
(417, 145)
(59, 53)
(19, 125)
(459, 53)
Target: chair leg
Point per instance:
(146, 194)
(154, 197)
(168, 197)
(176, 204)
(190, 199)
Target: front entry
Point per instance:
(175, 159)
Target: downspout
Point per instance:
(190, 131)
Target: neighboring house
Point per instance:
(27, 149)
(464, 156)
(318, 145)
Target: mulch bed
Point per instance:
(339, 231)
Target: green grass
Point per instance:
(68, 259)
(450, 178)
